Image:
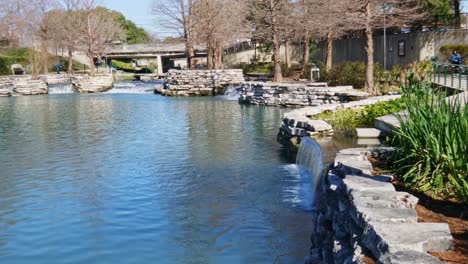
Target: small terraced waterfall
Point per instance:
(310, 156)
(134, 87)
(231, 93)
(60, 89)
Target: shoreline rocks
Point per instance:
(357, 212)
(297, 94)
(92, 84)
(200, 82)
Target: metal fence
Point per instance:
(451, 75)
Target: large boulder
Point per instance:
(92, 84)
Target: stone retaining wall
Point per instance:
(24, 85)
(297, 123)
(21, 85)
(92, 84)
(297, 94)
(359, 214)
(200, 82)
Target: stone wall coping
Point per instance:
(384, 221)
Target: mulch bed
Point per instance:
(439, 211)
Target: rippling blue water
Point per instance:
(140, 178)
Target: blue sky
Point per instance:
(138, 11)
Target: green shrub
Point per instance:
(354, 73)
(9, 56)
(432, 141)
(462, 49)
(347, 120)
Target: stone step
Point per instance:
(369, 133)
(390, 238)
(354, 183)
(388, 123)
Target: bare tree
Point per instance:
(98, 30)
(179, 15)
(67, 33)
(218, 24)
(369, 15)
(271, 20)
(327, 20)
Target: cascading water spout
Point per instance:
(60, 89)
(231, 93)
(134, 87)
(310, 156)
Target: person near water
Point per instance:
(455, 58)
(58, 65)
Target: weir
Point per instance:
(310, 156)
(231, 93)
(134, 87)
(60, 88)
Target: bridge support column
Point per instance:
(160, 65)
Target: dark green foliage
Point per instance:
(432, 141)
(133, 33)
(462, 49)
(127, 66)
(346, 73)
(264, 68)
(354, 73)
(440, 12)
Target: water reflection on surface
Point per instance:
(140, 178)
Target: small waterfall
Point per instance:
(60, 88)
(134, 87)
(231, 93)
(310, 157)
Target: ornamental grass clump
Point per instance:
(432, 141)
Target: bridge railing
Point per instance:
(450, 75)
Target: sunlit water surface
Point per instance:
(140, 178)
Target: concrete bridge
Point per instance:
(165, 56)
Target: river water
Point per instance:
(141, 178)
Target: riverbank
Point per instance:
(434, 210)
(359, 212)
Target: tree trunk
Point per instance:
(192, 57)
(278, 77)
(92, 69)
(209, 55)
(369, 51)
(70, 61)
(329, 62)
(287, 58)
(306, 54)
(456, 8)
(218, 57)
(45, 59)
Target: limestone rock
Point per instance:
(92, 84)
(30, 87)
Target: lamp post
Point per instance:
(385, 35)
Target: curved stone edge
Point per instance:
(358, 212)
(297, 123)
(297, 94)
